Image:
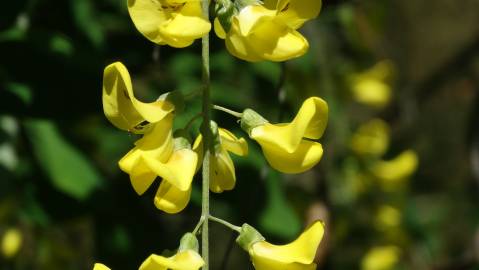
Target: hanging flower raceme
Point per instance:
(187, 258)
(255, 32)
(158, 154)
(298, 255)
(222, 171)
(290, 147)
(176, 23)
(122, 108)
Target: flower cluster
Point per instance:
(252, 30)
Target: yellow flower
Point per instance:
(99, 266)
(298, 255)
(290, 147)
(372, 87)
(187, 258)
(381, 258)
(371, 138)
(222, 170)
(391, 173)
(158, 154)
(269, 31)
(176, 23)
(387, 218)
(122, 108)
(184, 260)
(11, 242)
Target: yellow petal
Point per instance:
(178, 170)
(176, 23)
(222, 172)
(306, 156)
(372, 92)
(141, 177)
(398, 168)
(99, 266)
(170, 199)
(296, 12)
(310, 122)
(220, 32)
(185, 260)
(188, 24)
(371, 138)
(120, 105)
(232, 144)
(302, 250)
(158, 143)
(253, 16)
(238, 45)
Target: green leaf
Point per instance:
(278, 217)
(68, 170)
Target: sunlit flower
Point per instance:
(371, 138)
(268, 32)
(176, 23)
(391, 173)
(222, 170)
(99, 266)
(290, 147)
(381, 258)
(298, 255)
(372, 87)
(122, 108)
(12, 241)
(159, 154)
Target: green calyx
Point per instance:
(251, 119)
(176, 98)
(188, 242)
(181, 140)
(248, 236)
(225, 10)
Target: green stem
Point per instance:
(225, 223)
(228, 111)
(198, 226)
(208, 145)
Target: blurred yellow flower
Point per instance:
(268, 32)
(298, 255)
(222, 171)
(381, 258)
(11, 242)
(176, 23)
(371, 138)
(391, 173)
(372, 87)
(122, 108)
(290, 147)
(99, 266)
(159, 154)
(387, 217)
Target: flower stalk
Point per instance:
(207, 135)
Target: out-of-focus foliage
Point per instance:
(64, 203)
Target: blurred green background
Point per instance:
(64, 203)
